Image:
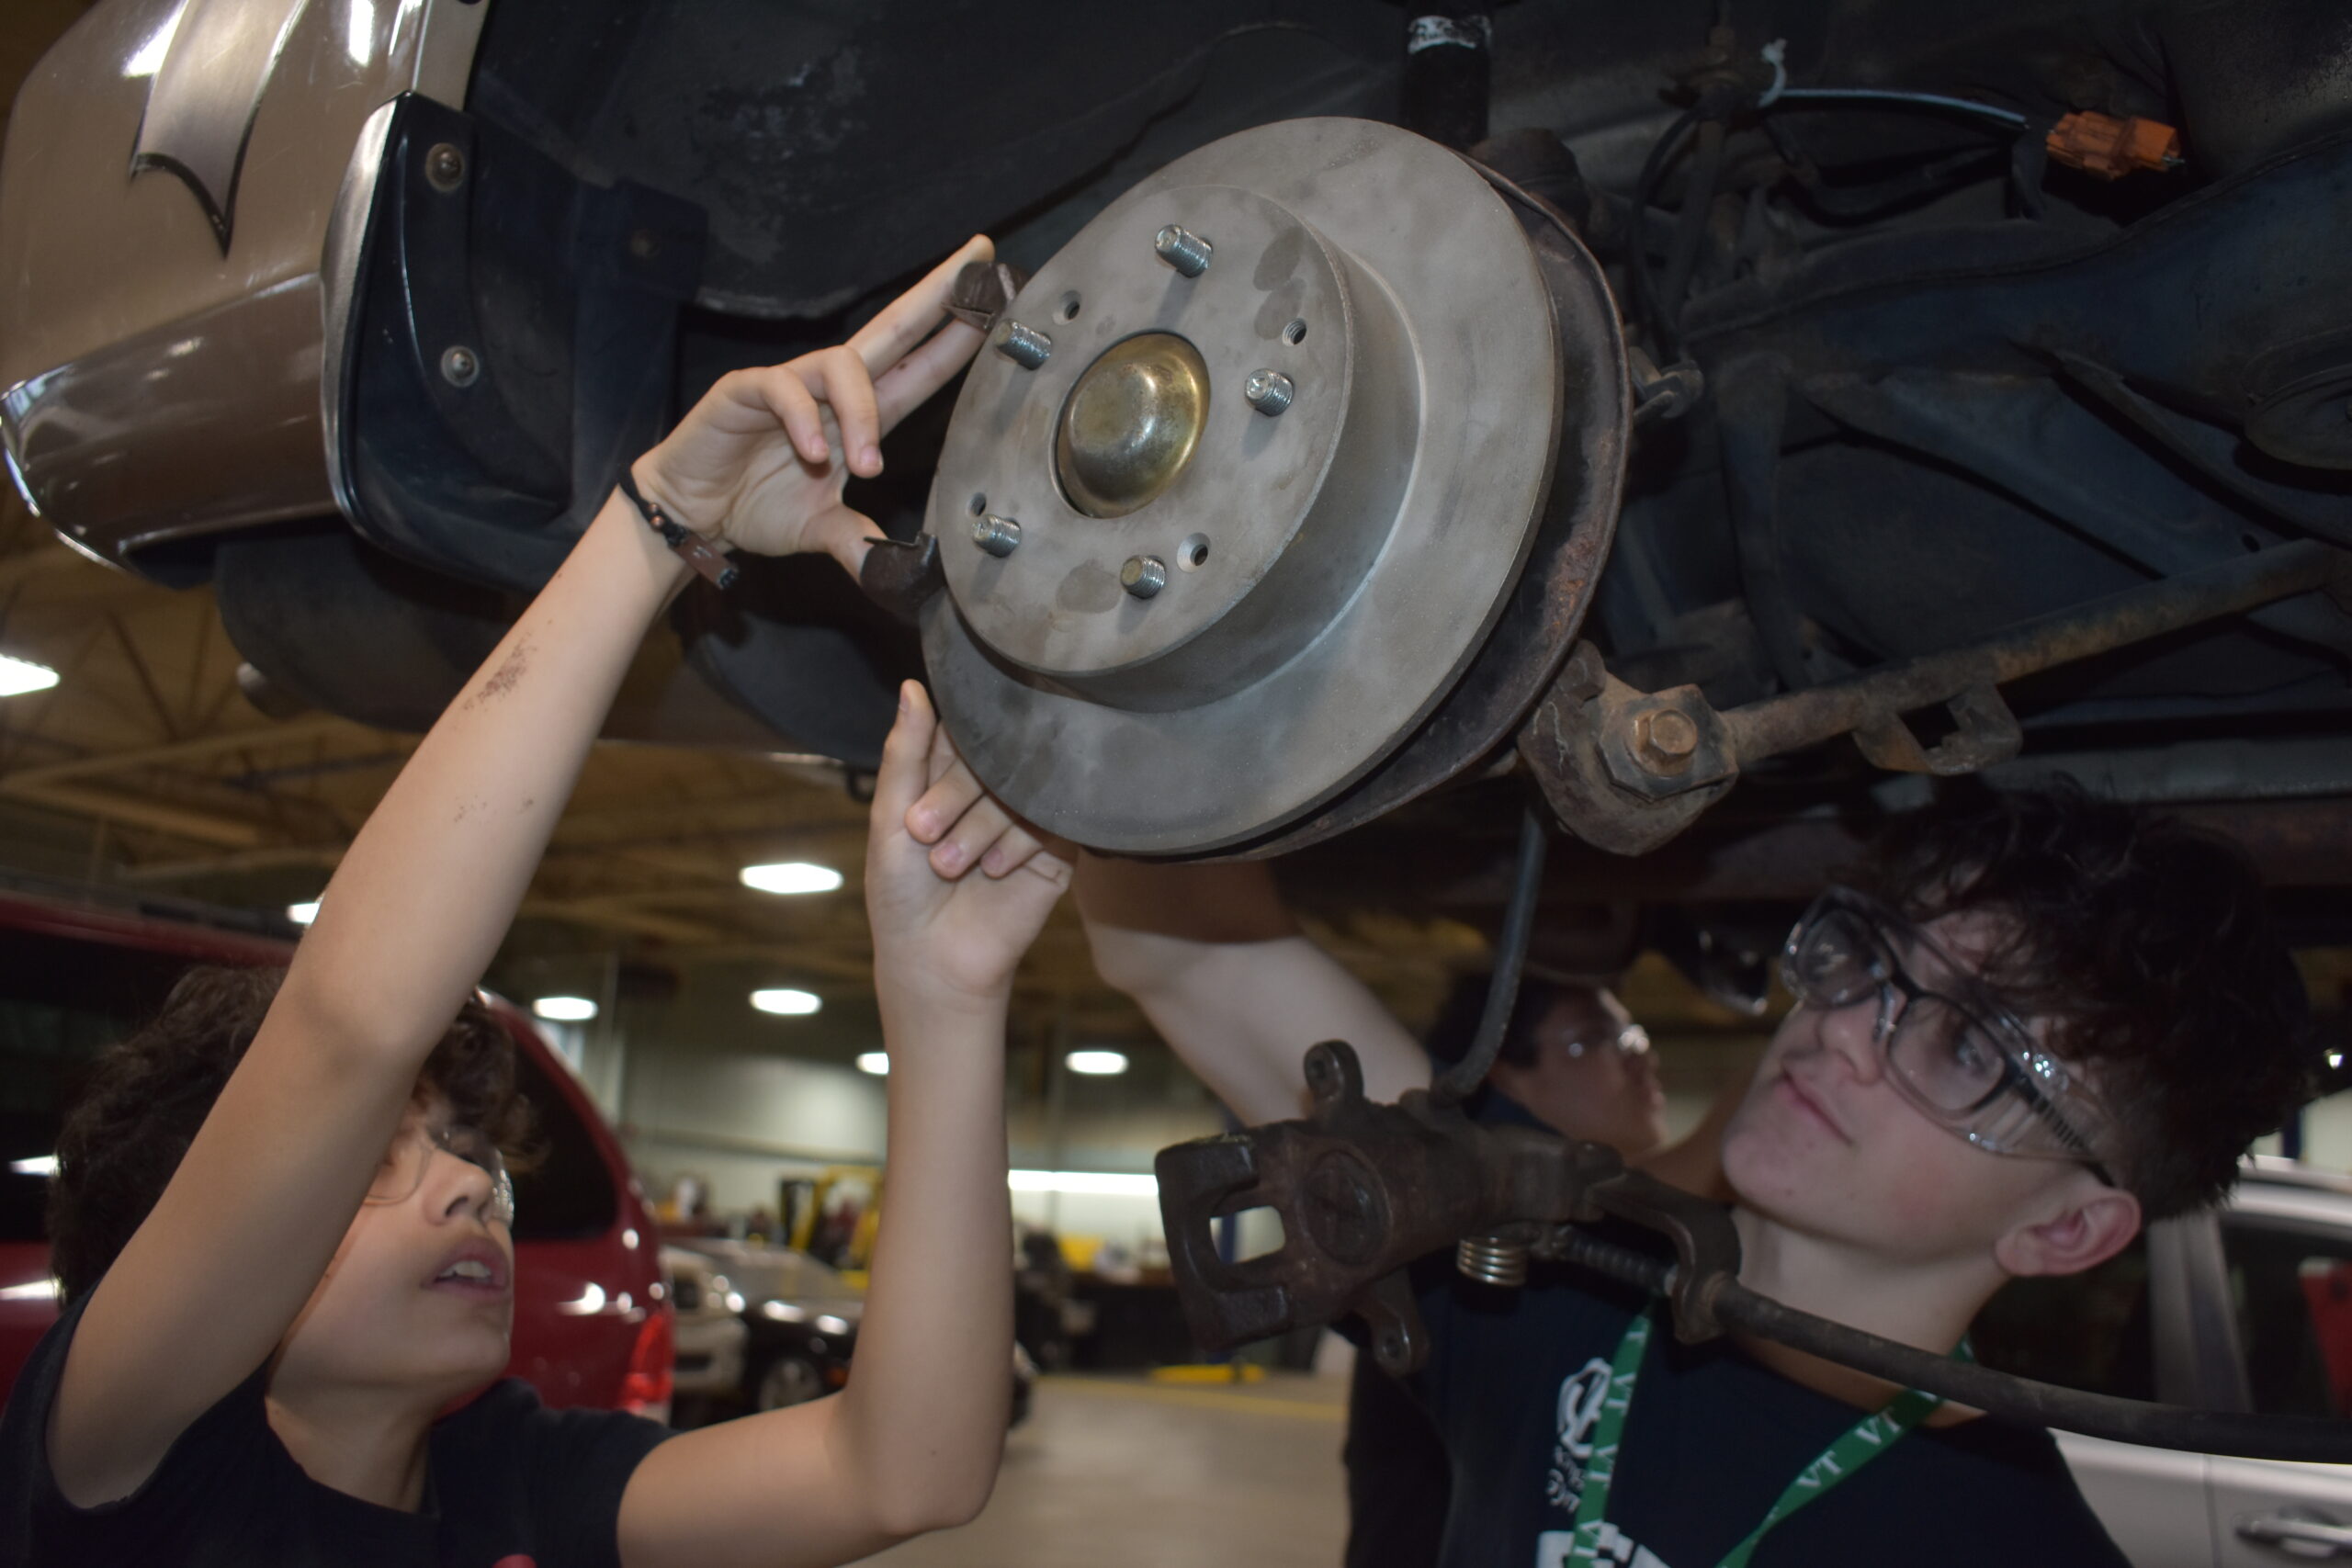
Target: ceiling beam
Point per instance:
(309, 728)
(80, 800)
(617, 916)
(276, 857)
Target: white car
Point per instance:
(2246, 1308)
(711, 1330)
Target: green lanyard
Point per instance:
(1864, 1442)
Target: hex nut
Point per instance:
(1665, 739)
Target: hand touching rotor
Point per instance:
(947, 941)
(759, 463)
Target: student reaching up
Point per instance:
(282, 1215)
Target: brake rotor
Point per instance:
(1247, 486)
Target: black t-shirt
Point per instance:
(510, 1483)
(1398, 1479)
(1711, 1440)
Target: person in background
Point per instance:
(1572, 1060)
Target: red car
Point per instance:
(591, 1325)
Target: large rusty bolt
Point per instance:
(1665, 739)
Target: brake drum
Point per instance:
(1245, 485)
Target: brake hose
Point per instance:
(2308, 1439)
(1458, 1082)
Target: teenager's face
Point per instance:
(1825, 1145)
(405, 1304)
(1582, 1085)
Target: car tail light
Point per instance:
(645, 1386)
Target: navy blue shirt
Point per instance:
(510, 1483)
(1714, 1436)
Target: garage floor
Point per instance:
(1149, 1475)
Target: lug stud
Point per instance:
(1025, 346)
(998, 536)
(1269, 391)
(1144, 576)
(1183, 250)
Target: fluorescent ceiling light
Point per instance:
(1097, 1064)
(38, 1165)
(19, 676)
(786, 1002)
(302, 914)
(1089, 1183)
(875, 1062)
(565, 1009)
(792, 876)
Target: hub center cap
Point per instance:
(1131, 423)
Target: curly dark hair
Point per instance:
(2148, 945)
(147, 1094)
(1448, 1039)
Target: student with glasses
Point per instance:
(2035, 1022)
(281, 1214)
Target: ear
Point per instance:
(2093, 1223)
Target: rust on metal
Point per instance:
(1626, 769)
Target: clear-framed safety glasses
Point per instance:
(1952, 1047)
(403, 1171)
(1628, 1043)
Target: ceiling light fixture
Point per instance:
(792, 876)
(1097, 1064)
(1084, 1183)
(875, 1062)
(786, 1002)
(19, 676)
(302, 914)
(564, 1009)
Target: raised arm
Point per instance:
(912, 1443)
(1222, 970)
(211, 1283)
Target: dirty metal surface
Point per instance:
(1594, 743)
(1364, 1190)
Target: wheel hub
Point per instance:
(1131, 425)
(1223, 527)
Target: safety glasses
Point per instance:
(1951, 1048)
(402, 1172)
(1629, 1042)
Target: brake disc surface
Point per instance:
(1219, 538)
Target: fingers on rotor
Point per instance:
(840, 377)
(904, 770)
(907, 384)
(787, 396)
(907, 319)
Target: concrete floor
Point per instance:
(1151, 1475)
